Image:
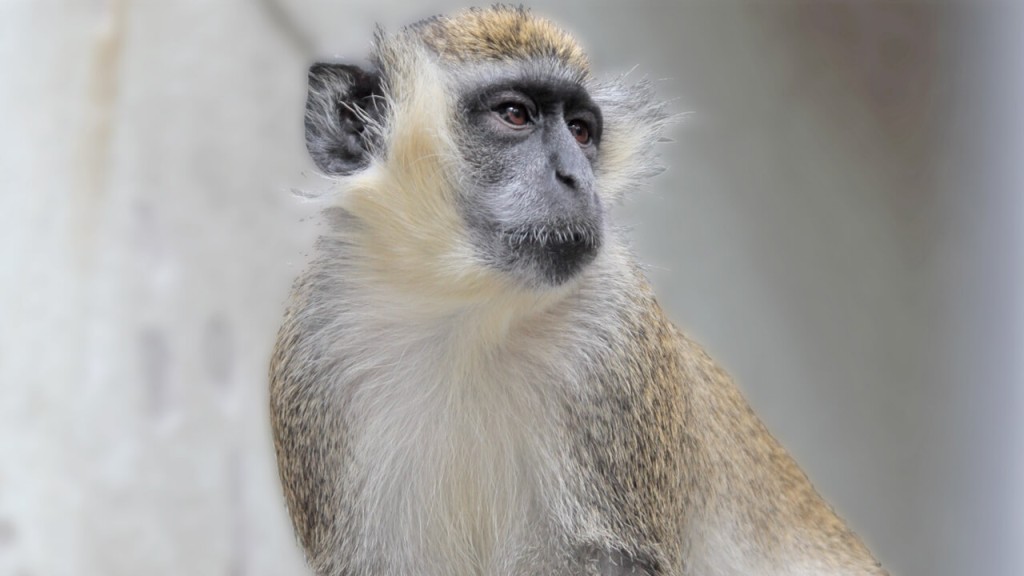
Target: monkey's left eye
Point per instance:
(513, 113)
(580, 131)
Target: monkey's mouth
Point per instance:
(556, 251)
(565, 238)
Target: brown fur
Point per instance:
(501, 33)
(634, 450)
(681, 448)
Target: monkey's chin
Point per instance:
(550, 256)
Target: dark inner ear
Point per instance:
(341, 98)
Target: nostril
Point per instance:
(566, 179)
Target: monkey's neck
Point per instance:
(451, 404)
(370, 285)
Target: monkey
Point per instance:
(473, 376)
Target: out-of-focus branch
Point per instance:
(296, 37)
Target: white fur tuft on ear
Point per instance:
(633, 123)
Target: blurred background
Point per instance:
(842, 224)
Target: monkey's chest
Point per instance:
(457, 484)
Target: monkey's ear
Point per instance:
(342, 111)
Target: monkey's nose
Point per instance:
(567, 179)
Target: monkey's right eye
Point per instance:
(514, 114)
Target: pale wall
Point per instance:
(813, 230)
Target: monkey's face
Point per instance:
(480, 153)
(529, 140)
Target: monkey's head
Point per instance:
(478, 151)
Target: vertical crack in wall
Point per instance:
(93, 152)
(236, 515)
(155, 363)
(218, 351)
(8, 534)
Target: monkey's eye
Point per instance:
(580, 131)
(513, 113)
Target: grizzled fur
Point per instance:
(502, 34)
(436, 414)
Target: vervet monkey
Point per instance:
(473, 376)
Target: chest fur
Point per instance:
(453, 457)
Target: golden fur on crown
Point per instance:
(501, 33)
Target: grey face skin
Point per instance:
(529, 137)
(532, 139)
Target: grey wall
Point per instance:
(840, 224)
